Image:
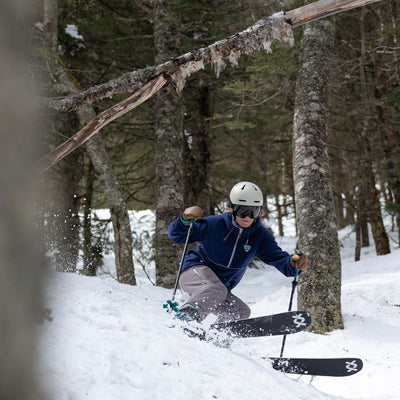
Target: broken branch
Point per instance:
(101, 120)
(322, 9)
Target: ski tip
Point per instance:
(334, 367)
(301, 320)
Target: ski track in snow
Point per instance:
(110, 341)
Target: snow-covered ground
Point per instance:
(109, 341)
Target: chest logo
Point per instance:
(247, 248)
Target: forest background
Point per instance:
(241, 122)
(229, 123)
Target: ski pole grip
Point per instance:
(296, 256)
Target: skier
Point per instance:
(229, 242)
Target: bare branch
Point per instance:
(100, 121)
(322, 9)
(257, 37)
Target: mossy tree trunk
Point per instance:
(103, 168)
(367, 177)
(169, 146)
(60, 185)
(319, 287)
(118, 210)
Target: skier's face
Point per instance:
(244, 222)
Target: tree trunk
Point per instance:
(364, 223)
(343, 197)
(60, 186)
(339, 206)
(22, 261)
(257, 37)
(279, 216)
(361, 205)
(169, 146)
(367, 180)
(361, 222)
(203, 146)
(357, 251)
(115, 200)
(118, 209)
(349, 204)
(319, 287)
(391, 151)
(106, 174)
(379, 234)
(197, 147)
(89, 256)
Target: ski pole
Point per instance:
(178, 275)
(295, 258)
(171, 303)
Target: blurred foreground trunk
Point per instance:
(21, 257)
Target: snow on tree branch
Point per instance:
(257, 37)
(149, 80)
(100, 121)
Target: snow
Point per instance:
(111, 341)
(39, 25)
(72, 30)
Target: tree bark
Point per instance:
(118, 209)
(322, 9)
(60, 185)
(391, 150)
(22, 261)
(367, 178)
(98, 122)
(319, 287)
(104, 170)
(89, 256)
(257, 37)
(197, 147)
(170, 186)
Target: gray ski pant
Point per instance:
(209, 295)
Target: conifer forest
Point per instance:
(163, 104)
(311, 115)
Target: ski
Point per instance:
(317, 366)
(267, 325)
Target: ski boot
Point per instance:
(188, 313)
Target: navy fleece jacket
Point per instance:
(228, 249)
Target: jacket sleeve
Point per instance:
(270, 253)
(177, 230)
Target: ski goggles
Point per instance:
(246, 211)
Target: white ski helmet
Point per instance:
(247, 194)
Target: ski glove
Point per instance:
(191, 213)
(300, 262)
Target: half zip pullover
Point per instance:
(225, 257)
(234, 247)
